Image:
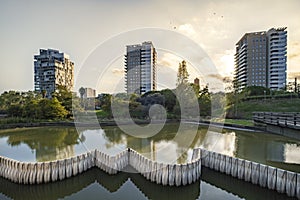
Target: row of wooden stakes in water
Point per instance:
(282, 181)
(167, 174)
(44, 172)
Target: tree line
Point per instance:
(33, 105)
(139, 105)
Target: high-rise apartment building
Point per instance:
(140, 68)
(260, 59)
(52, 68)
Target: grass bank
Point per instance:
(244, 109)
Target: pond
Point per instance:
(51, 143)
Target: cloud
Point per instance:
(294, 50)
(187, 29)
(293, 55)
(215, 76)
(118, 71)
(220, 77)
(168, 60)
(164, 63)
(292, 75)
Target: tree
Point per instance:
(170, 99)
(182, 74)
(255, 91)
(64, 96)
(15, 110)
(81, 92)
(196, 88)
(44, 93)
(51, 109)
(185, 93)
(293, 86)
(205, 102)
(32, 109)
(151, 99)
(105, 103)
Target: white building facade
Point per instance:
(277, 59)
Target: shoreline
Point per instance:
(141, 122)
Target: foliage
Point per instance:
(196, 88)
(32, 105)
(64, 96)
(151, 99)
(105, 104)
(256, 90)
(169, 99)
(182, 74)
(246, 108)
(51, 109)
(218, 104)
(293, 86)
(204, 101)
(81, 92)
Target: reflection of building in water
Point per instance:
(292, 152)
(54, 153)
(141, 145)
(282, 152)
(251, 148)
(145, 146)
(267, 150)
(275, 152)
(221, 143)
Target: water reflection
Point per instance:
(50, 143)
(120, 186)
(45, 143)
(283, 152)
(95, 184)
(220, 142)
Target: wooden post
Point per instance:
(298, 186)
(39, 169)
(241, 168)
(165, 174)
(159, 173)
(172, 174)
(272, 176)
(153, 171)
(178, 175)
(61, 169)
(80, 164)
(255, 173)
(247, 171)
(69, 167)
(190, 172)
(47, 172)
(291, 182)
(234, 167)
(74, 165)
(222, 163)
(263, 175)
(281, 180)
(228, 163)
(184, 174)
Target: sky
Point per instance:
(83, 28)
